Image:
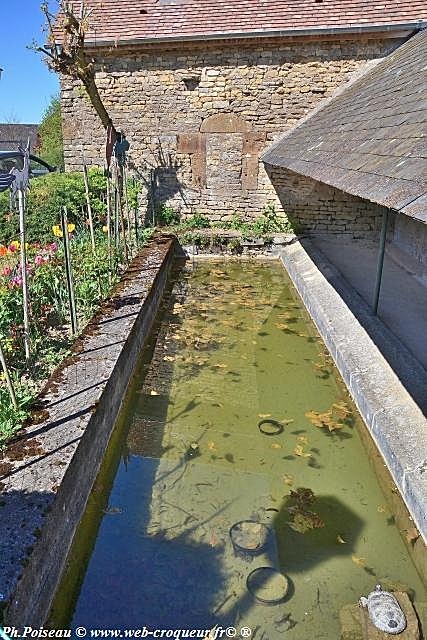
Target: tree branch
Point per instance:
(69, 57)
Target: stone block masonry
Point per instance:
(198, 115)
(318, 208)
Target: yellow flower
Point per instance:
(105, 228)
(57, 231)
(15, 243)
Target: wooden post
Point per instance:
(9, 382)
(22, 240)
(135, 215)
(69, 271)
(125, 191)
(89, 207)
(109, 223)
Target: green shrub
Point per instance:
(47, 195)
(166, 216)
(198, 221)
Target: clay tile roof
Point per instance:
(124, 20)
(12, 135)
(371, 139)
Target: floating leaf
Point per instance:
(281, 325)
(299, 451)
(276, 445)
(412, 534)
(286, 420)
(264, 415)
(220, 365)
(304, 521)
(303, 496)
(361, 562)
(153, 393)
(341, 409)
(211, 446)
(302, 439)
(288, 479)
(382, 508)
(323, 420)
(341, 540)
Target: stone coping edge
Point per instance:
(394, 420)
(52, 464)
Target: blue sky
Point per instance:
(26, 84)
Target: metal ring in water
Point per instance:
(267, 585)
(249, 536)
(276, 428)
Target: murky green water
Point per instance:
(234, 348)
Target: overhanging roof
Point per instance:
(12, 135)
(371, 139)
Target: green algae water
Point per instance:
(237, 414)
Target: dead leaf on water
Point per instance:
(382, 508)
(302, 439)
(341, 410)
(288, 479)
(264, 415)
(276, 445)
(412, 534)
(281, 325)
(341, 540)
(211, 446)
(324, 420)
(299, 451)
(360, 562)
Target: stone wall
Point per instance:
(199, 114)
(410, 236)
(318, 208)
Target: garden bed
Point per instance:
(48, 470)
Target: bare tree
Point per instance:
(65, 52)
(12, 118)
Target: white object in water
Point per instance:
(384, 611)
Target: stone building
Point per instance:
(354, 166)
(362, 154)
(201, 88)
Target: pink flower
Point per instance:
(6, 271)
(16, 281)
(38, 260)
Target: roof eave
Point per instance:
(405, 28)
